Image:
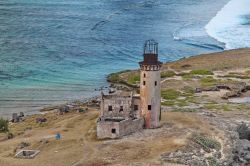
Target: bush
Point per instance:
(4, 125)
(211, 161)
(202, 72)
(206, 143)
(167, 74)
(170, 94)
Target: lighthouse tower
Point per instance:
(150, 85)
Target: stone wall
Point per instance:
(112, 129)
(150, 91)
(130, 126)
(116, 102)
(104, 129)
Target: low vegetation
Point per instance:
(133, 78)
(184, 110)
(222, 107)
(114, 77)
(170, 94)
(206, 143)
(4, 125)
(166, 74)
(201, 72)
(247, 71)
(208, 81)
(211, 161)
(238, 75)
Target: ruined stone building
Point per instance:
(122, 114)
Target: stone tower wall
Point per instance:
(150, 91)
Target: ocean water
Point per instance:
(231, 25)
(54, 51)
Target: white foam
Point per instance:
(228, 25)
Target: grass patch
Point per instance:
(114, 77)
(188, 91)
(170, 94)
(166, 74)
(211, 161)
(237, 76)
(133, 78)
(4, 125)
(186, 76)
(201, 72)
(224, 107)
(211, 106)
(206, 143)
(208, 81)
(247, 71)
(184, 110)
(182, 103)
(168, 103)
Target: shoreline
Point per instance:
(192, 108)
(178, 64)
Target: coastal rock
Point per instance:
(244, 131)
(41, 120)
(64, 109)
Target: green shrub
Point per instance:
(188, 91)
(211, 106)
(167, 74)
(225, 107)
(208, 81)
(211, 161)
(4, 125)
(202, 72)
(248, 71)
(186, 75)
(133, 78)
(206, 143)
(170, 94)
(168, 103)
(237, 76)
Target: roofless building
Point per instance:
(122, 114)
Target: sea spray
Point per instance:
(230, 25)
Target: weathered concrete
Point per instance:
(27, 154)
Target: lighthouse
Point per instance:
(150, 85)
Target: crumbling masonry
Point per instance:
(122, 114)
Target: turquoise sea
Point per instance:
(54, 51)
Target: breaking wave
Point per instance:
(231, 25)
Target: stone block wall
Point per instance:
(111, 129)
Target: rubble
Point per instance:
(41, 120)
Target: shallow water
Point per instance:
(61, 50)
(240, 100)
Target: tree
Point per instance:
(4, 124)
